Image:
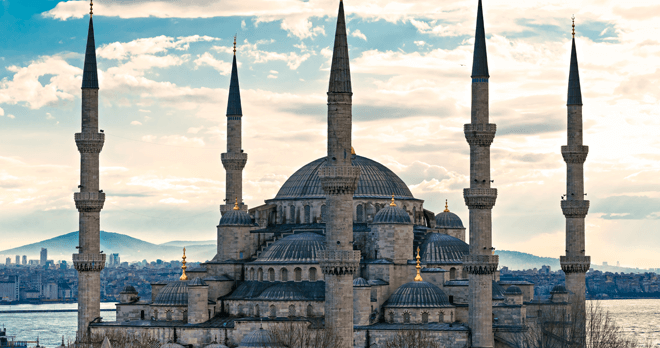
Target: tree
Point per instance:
(413, 339)
(298, 334)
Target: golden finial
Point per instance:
(236, 205)
(418, 278)
(184, 276)
(446, 206)
(91, 7)
(234, 44)
(352, 151)
(573, 18)
(392, 204)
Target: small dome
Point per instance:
(360, 283)
(513, 290)
(559, 289)
(257, 338)
(448, 219)
(418, 295)
(440, 248)
(282, 292)
(171, 345)
(498, 291)
(128, 289)
(216, 345)
(173, 294)
(197, 282)
(236, 218)
(296, 248)
(392, 215)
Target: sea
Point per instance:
(640, 318)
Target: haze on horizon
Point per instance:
(164, 73)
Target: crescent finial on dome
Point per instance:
(446, 206)
(183, 268)
(392, 204)
(418, 278)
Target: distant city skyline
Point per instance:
(164, 81)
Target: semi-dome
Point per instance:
(173, 294)
(440, 248)
(559, 289)
(498, 291)
(296, 248)
(513, 290)
(447, 219)
(418, 295)
(376, 181)
(282, 292)
(236, 218)
(392, 215)
(171, 345)
(128, 289)
(258, 338)
(360, 283)
(216, 345)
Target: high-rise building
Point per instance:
(25, 260)
(44, 256)
(8, 261)
(18, 260)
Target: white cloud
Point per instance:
(2, 112)
(357, 33)
(49, 116)
(224, 68)
(136, 123)
(11, 116)
(195, 130)
(172, 200)
(174, 140)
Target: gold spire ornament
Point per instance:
(91, 7)
(573, 18)
(234, 44)
(392, 204)
(418, 278)
(183, 275)
(352, 151)
(236, 205)
(446, 206)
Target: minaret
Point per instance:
(480, 198)
(339, 262)
(234, 159)
(89, 261)
(575, 264)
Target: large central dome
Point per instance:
(376, 181)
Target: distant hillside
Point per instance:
(128, 248)
(183, 243)
(516, 260)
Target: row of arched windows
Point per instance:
(425, 317)
(255, 310)
(284, 276)
(168, 315)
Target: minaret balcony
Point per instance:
(337, 180)
(89, 202)
(575, 209)
(90, 142)
(480, 134)
(339, 262)
(575, 154)
(234, 161)
(89, 262)
(575, 264)
(480, 264)
(480, 198)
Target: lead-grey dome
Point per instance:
(376, 181)
(282, 292)
(447, 219)
(296, 248)
(216, 345)
(360, 283)
(236, 218)
(392, 215)
(128, 289)
(418, 295)
(440, 248)
(559, 289)
(258, 338)
(173, 294)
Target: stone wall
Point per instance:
(457, 338)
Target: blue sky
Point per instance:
(164, 73)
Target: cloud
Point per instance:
(357, 33)
(174, 140)
(136, 123)
(172, 200)
(2, 112)
(206, 59)
(258, 56)
(627, 207)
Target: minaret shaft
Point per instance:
(480, 198)
(339, 262)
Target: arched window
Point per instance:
(260, 275)
(292, 311)
(312, 274)
(323, 211)
(308, 213)
(141, 315)
(391, 315)
(451, 299)
(451, 317)
(292, 214)
(414, 215)
(257, 313)
(185, 316)
(297, 274)
(359, 213)
(271, 275)
(273, 311)
(155, 314)
(406, 318)
(464, 274)
(284, 274)
(168, 315)
(441, 317)
(452, 273)
(425, 318)
(240, 310)
(251, 274)
(310, 311)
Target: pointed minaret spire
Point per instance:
(574, 90)
(480, 61)
(234, 103)
(340, 73)
(90, 74)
